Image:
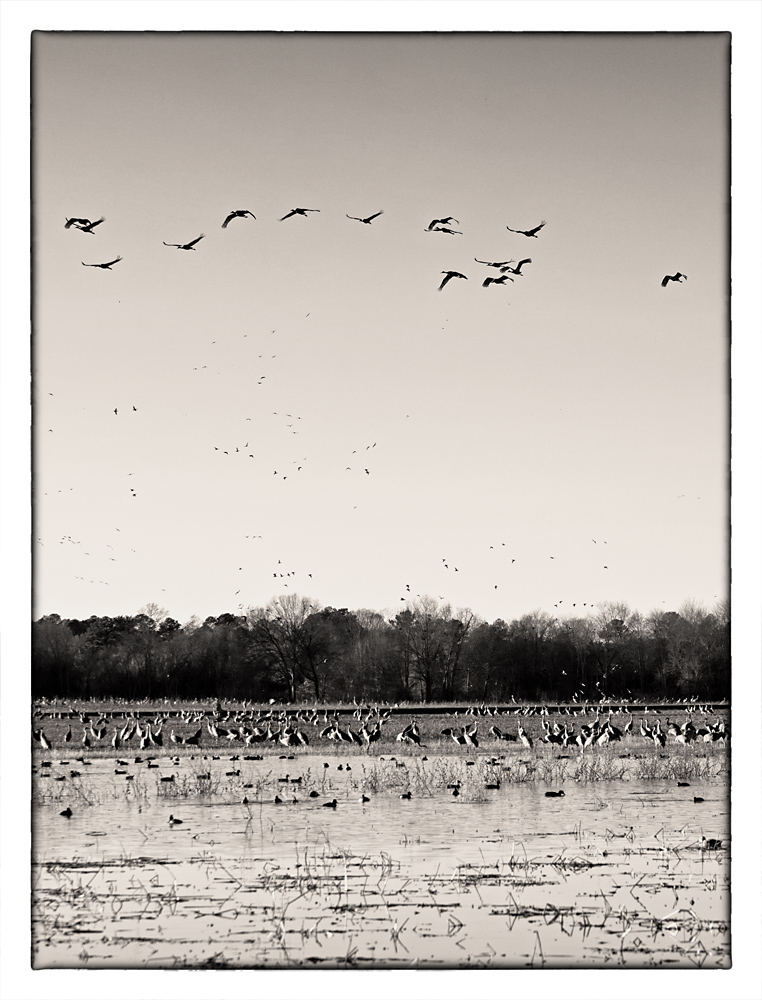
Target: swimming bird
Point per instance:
(368, 220)
(299, 211)
(527, 232)
(673, 277)
(173, 821)
(555, 795)
(330, 805)
(448, 275)
(710, 844)
(496, 281)
(66, 812)
(406, 795)
(364, 798)
(237, 214)
(185, 246)
(441, 222)
(106, 266)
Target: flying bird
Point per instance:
(444, 229)
(496, 281)
(91, 225)
(494, 263)
(106, 266)
(368, 220)
(299, 211)
(237, 214)
(441, 222)
(673, 277)
(517, 268)
(448, 275)
(83, 223)
(527, 232)
(185, 246)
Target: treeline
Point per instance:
(296, 650)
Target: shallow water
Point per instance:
(613, 873)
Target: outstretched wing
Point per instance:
(665, 280)
(355, 217)
(77, 223)
(229, 218)
(193, 243)
(112, 262)
(178, 245)
(536, 229)
(445, 280)
(526, 260)
(293, 212)
(488, 281)
(372, 217)
(92, 225)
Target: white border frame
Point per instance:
(17, 19)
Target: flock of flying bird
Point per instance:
(435, 226)
(508, 270)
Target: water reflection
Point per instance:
(612, 873)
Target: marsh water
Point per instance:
(613, 873)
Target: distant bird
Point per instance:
(116, 411)
(444, 229)
(448, 275)
(66, 812)
(368, 220)
(237, 214)
(185, 246)
(517, 268)
(330, 805)
(106, 266)
(299, 211)
(496, 281)
(91, 225)
(441, 222)
(673, 277)
(554, 795)
(494, 263)
(173, 821)
(527, 232)
(84, 224)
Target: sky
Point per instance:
(299, 396)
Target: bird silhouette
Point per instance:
(441, 222)
(496, 281)
(494, 263)
(369, 219)
(673, 277)
(444, 229)
(299, 211)
(84, 225)
(185, 246)
(237, 214)
(448, 275)
(106, 266)
(527, 232)
(517, 268)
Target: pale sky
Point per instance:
(518, 422)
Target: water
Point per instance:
(611, 874)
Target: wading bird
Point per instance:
(106, 266)
(527, 232)
(299, 211)
(448, 275)
(185, 246)
(368, 220)
(237, 214)
(673, 277)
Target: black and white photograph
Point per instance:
(382, 438)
